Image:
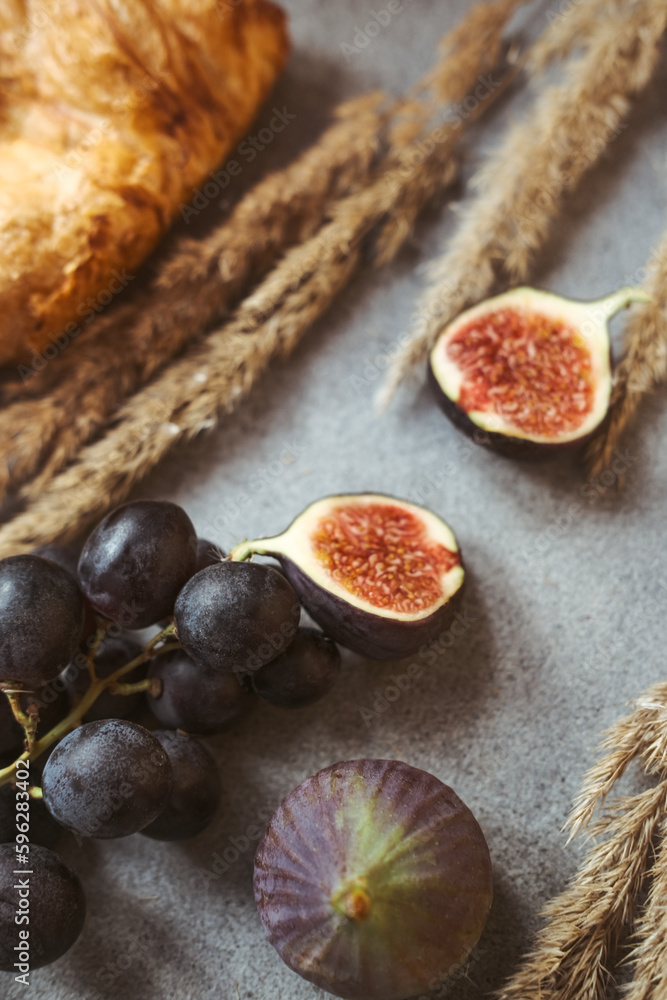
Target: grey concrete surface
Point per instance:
(568, 608)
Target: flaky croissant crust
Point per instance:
(111, 113)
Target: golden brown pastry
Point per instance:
(111, 113)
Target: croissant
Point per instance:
(112, 112)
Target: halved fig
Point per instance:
(528, 372)
(373, 880)
(376, 573)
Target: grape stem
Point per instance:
(28, 721)
(151, 684)
(157, 645)
(102, 629)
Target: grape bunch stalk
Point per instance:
(73, 674)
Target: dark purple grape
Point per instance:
(114, 653)
(41, 615)
(136, 561)
(52, 705)
(56, 909)
(195, 699)
(67, 557)
(43, 829)
(208, 554)
(301, 675)
(107, 779)
(236, 616)
(195, 793)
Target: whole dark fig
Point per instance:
(378, 574)
(528, 372)
(373, 880)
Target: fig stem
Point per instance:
(353, 901)
(609, 305)
(244, 550)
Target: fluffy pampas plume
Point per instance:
(577, 950)
(644, 365)
(520, 189)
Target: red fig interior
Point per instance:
(529, 364)
(386, 556)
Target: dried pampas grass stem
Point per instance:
(640, 735)
(570, 27)
(649, 957)
(471, 50)
(644, 366)
(576, 952)
(522, 186)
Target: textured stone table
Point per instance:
(566, 610)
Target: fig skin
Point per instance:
(381, 637)
(361, 631)
(373, 880)
(589, 319)
(504, 444)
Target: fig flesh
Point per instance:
(373, 880)
(378, 574)
(528, 372)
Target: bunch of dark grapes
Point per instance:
(231, 633)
